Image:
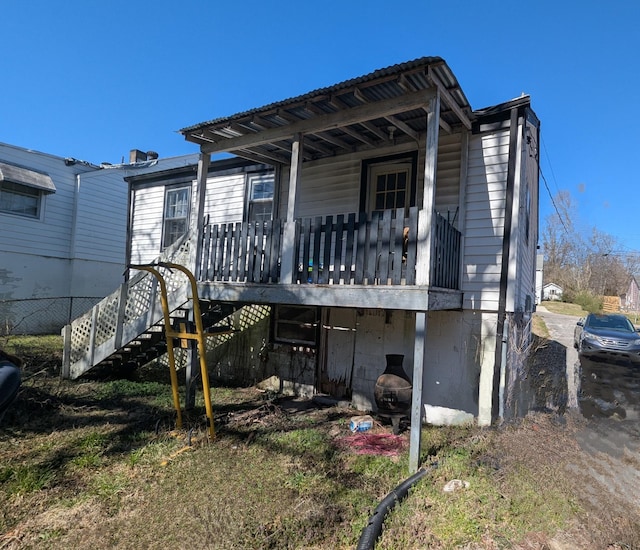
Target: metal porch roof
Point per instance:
(381, 108)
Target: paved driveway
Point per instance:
(561, 330)
(607, 394)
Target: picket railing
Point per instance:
(352, 249)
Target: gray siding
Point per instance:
(526, 236)
(60, 264)
(484, 223)
(101, 219)
(51, 234)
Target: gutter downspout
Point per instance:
(501, 337)
(72, 244)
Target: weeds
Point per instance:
(100, 464)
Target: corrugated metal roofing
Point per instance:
(261, 133)
(449, 81)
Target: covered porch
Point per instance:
(407, 258)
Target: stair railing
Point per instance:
(125, 314)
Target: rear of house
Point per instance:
(378, 216)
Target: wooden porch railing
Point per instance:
(358, 249)
(353, 249)
(445, 262)
(241, 252)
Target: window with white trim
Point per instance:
(176, 214)
(260, 197)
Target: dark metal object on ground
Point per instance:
(393, 391)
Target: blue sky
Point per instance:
(92, 80)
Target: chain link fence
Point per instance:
(42, 315)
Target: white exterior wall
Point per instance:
(224, 203)
(521, 293)
(225, 198)
(146, 224)
(332, 186)
(484, 219)
(51, 234)
(41, 287)
(379, 333)
(448, 186)
(56, 267)
(460, 347)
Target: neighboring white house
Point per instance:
(64, 226)
(552, 291)
(381, 215)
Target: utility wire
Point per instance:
(546, 153)
(537, 156)
(555, 206)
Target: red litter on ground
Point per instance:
(373, 444)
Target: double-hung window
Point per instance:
(260, 197)
(176, 214)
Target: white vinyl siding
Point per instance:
(484, 223)
(224, 198)
(146, 226)
(101, 218)
(49, 234)
(447, 199)
(326, 187)
(525, 236)
(333, 186)
(223, 203)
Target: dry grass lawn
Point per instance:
(99, 464)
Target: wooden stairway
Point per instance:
(126, 329)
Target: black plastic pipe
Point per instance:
(373, 529)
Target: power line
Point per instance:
(555, 181)
(555, 206)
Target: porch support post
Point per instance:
(419, 359)
(426, 217)
(192, 369)
(289, 236)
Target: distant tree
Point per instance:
(609, 275)
(583, 262)
(563, 246)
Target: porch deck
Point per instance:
(354, 261)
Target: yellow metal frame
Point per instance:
(183, 335)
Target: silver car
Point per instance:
(598, 334)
